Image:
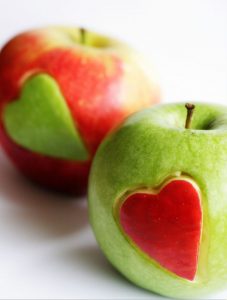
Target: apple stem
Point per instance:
(82, 35)
(190, 109)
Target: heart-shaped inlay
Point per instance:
(41, 121)
(166, 225)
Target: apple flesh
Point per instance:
(157, 200)
(100, 81)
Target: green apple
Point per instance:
(158, 199)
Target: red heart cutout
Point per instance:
(166, 225)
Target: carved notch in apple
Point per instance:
(165, 224)
(41, 121)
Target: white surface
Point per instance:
(47, 249)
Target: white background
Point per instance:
(47, 249)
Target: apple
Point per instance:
(61, 91)
(158, 199)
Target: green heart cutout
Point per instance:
(41, 121)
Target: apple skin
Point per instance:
(149, 148)
(102, 80)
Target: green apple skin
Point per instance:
(148, 148)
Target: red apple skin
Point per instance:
(165, 224)
(100, 87)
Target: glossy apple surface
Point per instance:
(61, 91)
(157, 199)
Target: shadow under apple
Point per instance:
(46, 213)
(91, 259)
(41, 215)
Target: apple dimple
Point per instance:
(166, 225)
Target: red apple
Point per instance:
(100, 80)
